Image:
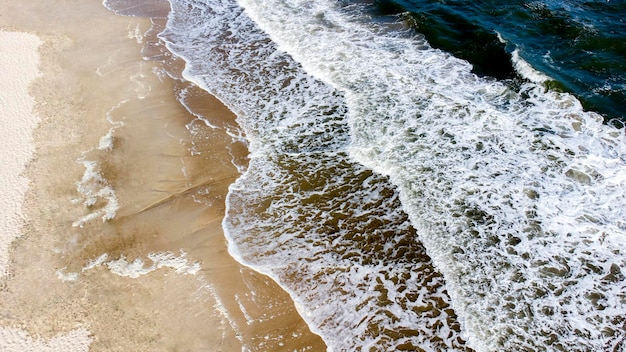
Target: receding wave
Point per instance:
(517, 195)
(372, 153)
(332, 232)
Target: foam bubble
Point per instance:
(122, 267)
(525, 70)
(510, 191)
(296, 128)
(94, 188)
(106, 141)
(334, 235)
(66, 277)
(95, 191)
(517, 195)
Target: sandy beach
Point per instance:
(20, 68)
(18, 121)
(113, 195)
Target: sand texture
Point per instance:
(121, 245)
(19, 66)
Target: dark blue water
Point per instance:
(580, 44)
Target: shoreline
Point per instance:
(113, 137)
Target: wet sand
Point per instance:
(121, 247)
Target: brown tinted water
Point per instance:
(103, 105)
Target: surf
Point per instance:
(402, 200)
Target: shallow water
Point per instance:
(403, 197)
(123, 216)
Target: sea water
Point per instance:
(426, 175)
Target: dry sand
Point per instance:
(19, 66)
(121, 245)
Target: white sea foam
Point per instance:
(106, 141)
(134, 33)
(94, 187)
(95, 191)
(66, 277)
(296, 125)
(138, 267)
(525, 70)
(517, 195)
(96, 262)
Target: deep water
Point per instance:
(580, 44)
